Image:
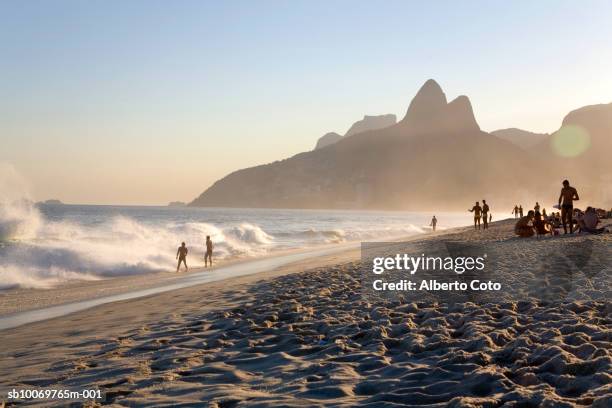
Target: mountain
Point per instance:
(520, 137)
(52, 201)
(580, 151)
(371, 123)
(596, 122)
(435, 157)
(327, 139)
(367, 123)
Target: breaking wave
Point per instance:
(44, 246)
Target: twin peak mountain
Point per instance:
(436, 157)
(429, 112)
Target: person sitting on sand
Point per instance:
(588, 222)
(557, 219)
(181, 255)
(209, 251)
(541, 226)
(523, 228)
(566, 202)
(477, 210)
(485, 214)
(433, 223)
(515, 211)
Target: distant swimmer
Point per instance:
(209, 251)
(434, 221)
(566, 202)
(515, 211)
(181, 255)
(485, 213)
(477, 210)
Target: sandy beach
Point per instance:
(304, 335)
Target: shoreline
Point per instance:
(23, 306)
(304, 334)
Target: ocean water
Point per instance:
(46, 245)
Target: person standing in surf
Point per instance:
(434, 221)
(209, 251)
(181, 255)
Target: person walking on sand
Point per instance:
(515, 211)
(566, 202)
(485, 214)
(209, 251)
(434, 221)
(477, 210)
(520, 211)
(181, 255)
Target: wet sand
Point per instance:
(304, 335)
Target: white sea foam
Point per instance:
(43, 247)
(19, 218)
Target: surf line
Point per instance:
(250, 267)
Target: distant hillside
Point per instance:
(52, 201)
(371, 123)
(521, 138)
(367, 123)
(581, 151)
(435, 157)
(327, 139)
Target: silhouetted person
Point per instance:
(477, 210)
(515, 211)
(209, 251)
(541, 226)
(434, 221)
(588, 222)
(520, 210)
(490, 217)
(523, 228)
(566, 202)
(208, 254)
(181, 255)
(536, 207)
(485, 214)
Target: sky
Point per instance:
(146, 102)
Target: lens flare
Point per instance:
(570, 141)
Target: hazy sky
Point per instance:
(147, 102)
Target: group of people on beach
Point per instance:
(539, 223)
(481, 212)
(181, 254)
